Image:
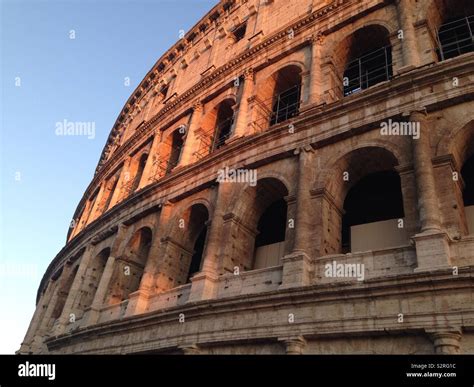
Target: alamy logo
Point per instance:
(395, 128)
(345, 270)
(75, 128)
(37, 370)
(230, 175)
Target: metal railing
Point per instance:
(286, 105)
(222, 132)
(278, 109)
(455, 38)
(368, 70)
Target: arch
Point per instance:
(360, 62)
(347, 174)
(92, 277)
(216, 126)
(278, 96)
(458, 142)
(451, 22)
(253, 203)
(141, 163)
(130, 266)
(393, 152)
(183, 246)
(170, 150)
(64, 286)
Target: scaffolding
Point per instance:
(285, 106)
(368, 70)
(456, 38)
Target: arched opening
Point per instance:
(177, 143)
(455, 31)
(130, 266)
(270, 240)
(278, 97)
(139, 174)
(224, 122)
(366, 57)
(467, 173)
(194, 239)
(64, 287)
(259, 227)
(287, 94)
(110, 194)
(216, 128)
(196, 260)
(372, 209)
(92, 279)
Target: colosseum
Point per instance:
(290, 177)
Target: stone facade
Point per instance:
(162, 255)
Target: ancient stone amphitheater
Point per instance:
(290, 177)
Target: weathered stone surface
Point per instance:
(162, 255)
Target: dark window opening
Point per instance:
(286, 105)
(110, 194)
(176, 149)
(272, 224)
(374, 198)
(367, 70)
(138, 176)
(224, 122)
(455, 37)
(467, 173)
(196, 260)
(239, 32)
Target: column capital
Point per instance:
(249, 74)
(197, 106)
(446, 342)
(317, 38)
(419, 113)
(294, 345)
(190, 349)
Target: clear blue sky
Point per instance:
(46, 78)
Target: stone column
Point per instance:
(95, 209)
(99, 298)
(139, 300)
(148, 172)
(191, 143)
(315, 80)
(297, 265)
(408, 186)
(425, 183)
(203, 283)
(432, 244)
(124, 178)
(241, 124)
(28, 343)
(447, 342)
(411, 58)
(294, 345)
(74, 292)
(449, 180)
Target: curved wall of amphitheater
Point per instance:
(254, 195)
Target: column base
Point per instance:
(203, 286)
(296, 270)
(137, 302)
(93, 316)
(432, 251)
(405, 69)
